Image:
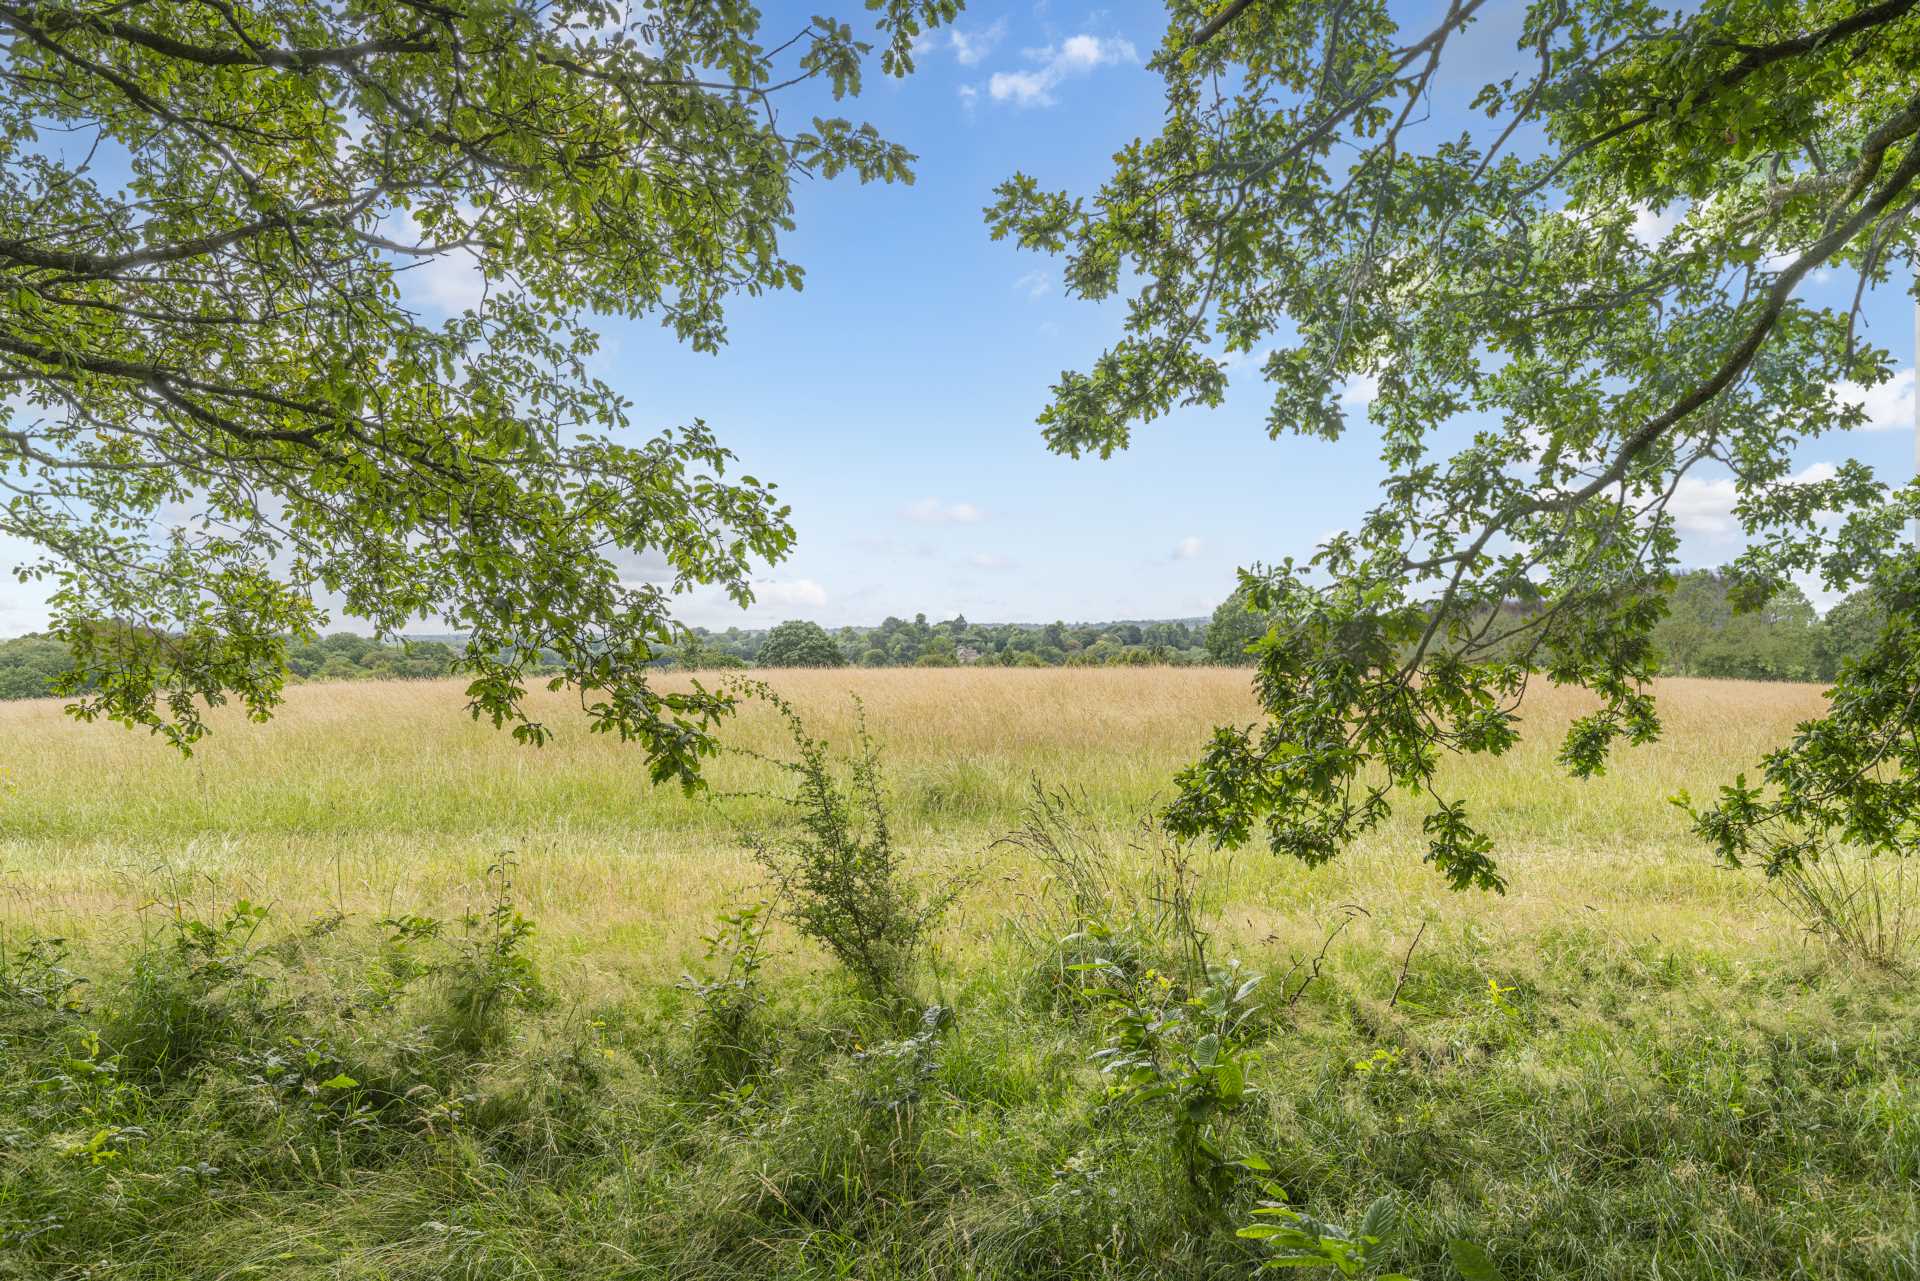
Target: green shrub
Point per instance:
(837, 871)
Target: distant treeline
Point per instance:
(953, 642)
(30, 664)
(1701, 636)
(1787, 640)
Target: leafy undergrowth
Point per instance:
(409, 1099)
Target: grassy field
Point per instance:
(1633, 1064)
(385, 797)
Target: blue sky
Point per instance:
(893, 399)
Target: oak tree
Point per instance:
(224, 407)
(1577, 285)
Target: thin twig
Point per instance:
(1404, 962)
(1313, 970)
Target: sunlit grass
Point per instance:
(379, 797)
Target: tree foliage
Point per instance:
(1703, 634)
(224, 410)
(1574, 290)
(796, 643)
(956, 642)
(1234, 627)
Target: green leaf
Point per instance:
(1206, 1051)
(1472, 1262)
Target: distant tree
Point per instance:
(31, 665)
(800, 644)
(1236, 624)
(698, 653)
(411, 660)
(1774, 642)
(222, 407)
(1697, 609)
(1849, 632)
(1705, 634)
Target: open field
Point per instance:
(1633, 1064)
(386, 797)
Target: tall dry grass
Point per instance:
(382, 797)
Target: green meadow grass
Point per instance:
(1634, 1064)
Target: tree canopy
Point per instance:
(1703, 634)
(30, 666)
(797, 643)
(223, 411)
(1578, 289)
(1235, 626)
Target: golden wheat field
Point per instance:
(386, 797)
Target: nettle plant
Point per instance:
(727, 997)
(1187, 1056)
(1578, 287)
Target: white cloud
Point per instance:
(450, 281)
(1889, 405)
(988, 560)
(969, 47)
(1651, 227)
(1361, 389)
(1075, 56)
(1705, 507)
(1084, 53)
(1035, 284)
(1254, 359)
(932, 511)
(1188, 548)
(968, 96)
(798, 591)
(1028, 88)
